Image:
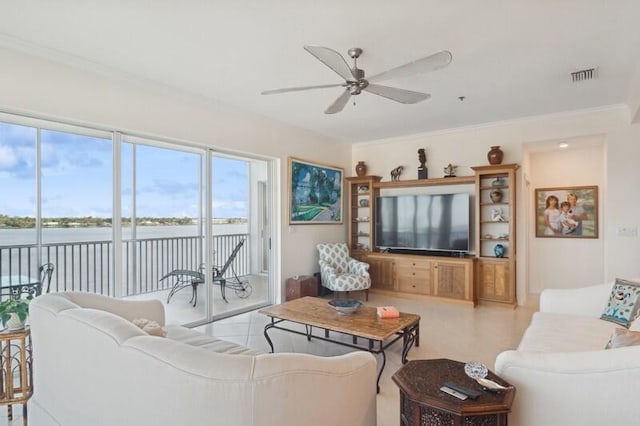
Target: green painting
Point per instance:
(315, 193)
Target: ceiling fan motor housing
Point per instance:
(356, 86)
(354, 52)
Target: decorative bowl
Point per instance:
(476, 370)
(345, 306)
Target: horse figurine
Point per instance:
(395, 173)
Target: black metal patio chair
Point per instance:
(187, 277)
(46, 271)
(242, 288)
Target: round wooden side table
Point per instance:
(422, 403)
(16, 379)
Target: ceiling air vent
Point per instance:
(583, 75)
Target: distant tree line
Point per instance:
(90, 221)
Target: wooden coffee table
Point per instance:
(377, 334)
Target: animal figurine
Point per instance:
(496, 215)
(395, 173)
(422, 158)
(450, 170)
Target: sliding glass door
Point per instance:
(76, 209)
(161, 221)
(135, 218)
(55, 192)
(239, 229)
(18, 206)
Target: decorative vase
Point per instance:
(498, 182)
(498, 250)
(14, 322)
(361, 169)
(495, 155)
(495, 195)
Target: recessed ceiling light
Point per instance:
(563, 145)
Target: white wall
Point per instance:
(467, 147)
(621, 201)
(51, 90)
(565, 262)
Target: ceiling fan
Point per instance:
(355, 81)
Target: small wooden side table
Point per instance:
(16, 379)
(422, 403)
(301, 286)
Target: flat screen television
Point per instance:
(424, 222)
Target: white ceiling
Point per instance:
(511, 58)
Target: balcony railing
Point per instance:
(87, 265)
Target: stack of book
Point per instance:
(388, 312)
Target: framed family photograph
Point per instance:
(570, 212)
(315, 193)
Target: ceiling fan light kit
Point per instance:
(355, 81)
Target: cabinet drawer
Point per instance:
(412, 273)
(413, 276)
(412, 263)
(414, 285)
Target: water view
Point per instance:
(10, 237)
(159, 184)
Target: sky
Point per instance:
(77, 178)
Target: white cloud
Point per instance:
(8, 157)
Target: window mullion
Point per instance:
(116, 216)
(38, 190)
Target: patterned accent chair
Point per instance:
(339, 272)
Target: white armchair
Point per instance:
(339, 272)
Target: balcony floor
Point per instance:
(180, 311)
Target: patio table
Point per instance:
(17, 285)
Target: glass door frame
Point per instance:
(271, 228)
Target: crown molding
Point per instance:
(606, 108)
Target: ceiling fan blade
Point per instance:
(297, 89)
(332, 59)
(398, 95)
(338, 104)
(430, 63)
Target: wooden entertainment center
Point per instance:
(464, 279)
(417, 275)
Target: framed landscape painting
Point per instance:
(315, 193)
(570, 212)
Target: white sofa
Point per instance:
(561, 371)
(92, 366)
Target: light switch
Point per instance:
(627, 231)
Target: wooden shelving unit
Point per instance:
(458, 180)
(496, 276)
(362, 194)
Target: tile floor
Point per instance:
(446, 331)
